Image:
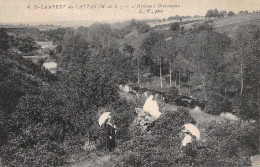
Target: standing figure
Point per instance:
(110, 132)
(187, 147)
(187, 143)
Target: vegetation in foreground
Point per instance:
(47, 116)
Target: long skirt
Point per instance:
(111, 143)
(187, 149)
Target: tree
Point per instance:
(246, 48)
(210, 13)
(174, 46)
(244, 37)
(141, 27)
(231, 13)
(222, 13)
(175, 26)
(4, 41)
(158, 51)
(100, 35)
(243, 12)
(135, 39)
(206, 50)
(215, 13)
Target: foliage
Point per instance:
(212, 13)
(229, 144)
(171, 94)
(231, 13)
(245, 46)
(177, 17)
(157, 148)
(215, 13)
(175, 26)
(56, 34)
(19, 77)
(40, 116)
(123, 115)
(4, 41)
(44, 155)
(46, 115)
(141, 27)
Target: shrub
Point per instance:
(40, 125)
(124, 114)
(229, 144)
(159, 147)
(231, 13)
(42, 155)
(175, 26)
(171, 94)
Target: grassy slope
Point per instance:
(231, 29)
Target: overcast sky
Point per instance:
(17, 11)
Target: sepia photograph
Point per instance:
(129, 83)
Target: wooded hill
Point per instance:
(47, 122)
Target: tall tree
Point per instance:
(174, 46)
(207, 49)
(159, 53)
(136, 40)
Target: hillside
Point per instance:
(53, 119)
(33, 33)
(227, 25)
(218, 22)
(40, 27)
(232, 27)
(237, 19)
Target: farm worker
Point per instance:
(110, 134)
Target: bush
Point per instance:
(229, 144)
(42, 155)
(231, 13)
(159, 147)
(40, 125)
(175, 26)
(171, 94)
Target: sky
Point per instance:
(17, 11)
